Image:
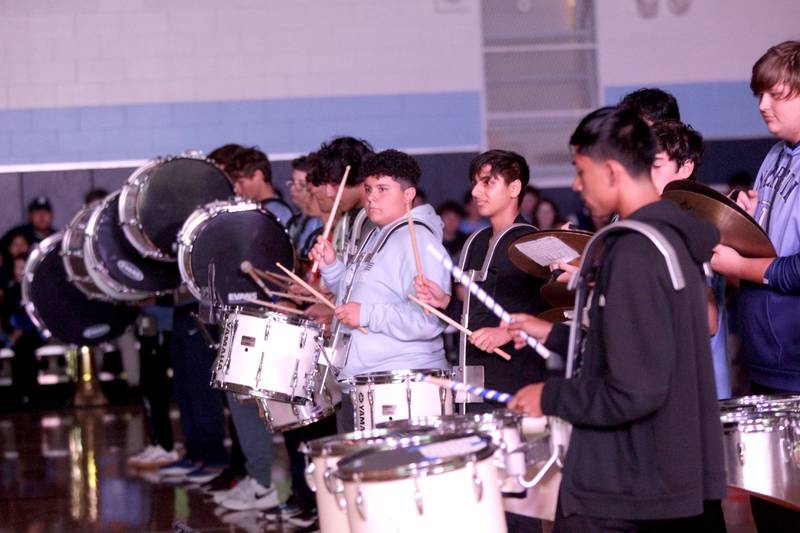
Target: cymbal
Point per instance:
(737, 228)
(557, 314)
(574, 238)
(556, 294)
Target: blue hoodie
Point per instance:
(400, 335)
(769, 315)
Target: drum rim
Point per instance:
(97, 270)
(432, 467)
(394, 376)
(35, 259)
(199, 219)
(482, 422)
(85, 284)
(272, 315)
(759, 422)
(344, 444)
(326, 412)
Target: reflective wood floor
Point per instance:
(65, 470)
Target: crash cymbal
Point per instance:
(557, 314)
(551, 241)
(556, 294)
(737, 228)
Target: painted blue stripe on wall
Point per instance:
(277, 126)
(718, 109)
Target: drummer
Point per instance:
(251, 174)
(498, 178)
(646, 446)
(400, 335)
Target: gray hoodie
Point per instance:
(400, 335)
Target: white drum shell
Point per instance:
(449, 503)
(267, 355)
(285, 416)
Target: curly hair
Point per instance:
(680, 141)
(327, 164)
(653, 105)
(395, 164)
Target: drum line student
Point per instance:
(307, 223)
(652, 104)
(372, 288)
(646, 446)
(769, 323)
(499, 179)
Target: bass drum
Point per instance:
(219, 237)
(158, 197)
(59, 309)
(115, 265)
(72, 252)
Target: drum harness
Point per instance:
(473, 374)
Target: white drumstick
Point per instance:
(332, 215)
(247, 268)
(487, 300)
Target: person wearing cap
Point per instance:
(40, 222)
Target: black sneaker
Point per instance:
(225, 481)
(286, 510)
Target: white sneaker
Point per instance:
(134, 460)
(158, 456)
(251, 496)
(223, 495)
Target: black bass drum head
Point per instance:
(58, 306)
(231, 237)
(122, 261)
(172, 191)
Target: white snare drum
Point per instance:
(323, 454)
(285, 416)
(415, 488)
(397, 395)
(267, 355)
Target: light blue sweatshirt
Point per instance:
(400, 335)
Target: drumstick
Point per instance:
(247, 268)
(281, 308)
(486, 394)
(288, 296)
(455, 324)
(420, 271)
(271, 276)
(332, 215)
(487, 300)
(312, 290)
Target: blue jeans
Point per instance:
(255, 440)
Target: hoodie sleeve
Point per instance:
(405, 320)
(332, 275)
(636, 381)
(783, 274)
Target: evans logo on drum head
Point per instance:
(240, 297)
(96, 331)
(130, 270)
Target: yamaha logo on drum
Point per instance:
(96, 331)
(130, 270)
(240, 297)
(362, 422)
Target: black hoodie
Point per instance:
(646, 440)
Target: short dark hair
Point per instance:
(449, 206)
(504, 163)
(300, 163)
(619, 134)
(653, 105)
(327, 164)
(247, 161)
(225, 153)
(392, 163)
(94, 194)
(780, 64)
(680, 141)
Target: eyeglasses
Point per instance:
(290, 184)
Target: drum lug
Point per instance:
(443, 399)
(740, 452)
(361, 506)
(327, 477)
(371, 400)
(477, 483)
(303, 337)
(408, 397)
(266, 329)
(293, 382)
(258, 372)
(418, 500)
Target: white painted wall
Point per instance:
(63, 53)
(716, 40)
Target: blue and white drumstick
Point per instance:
(485, 299)
(486, 394)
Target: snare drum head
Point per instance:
(230, 235)
(56, 305)
(171, 191)
(441, 453)
(122, 262)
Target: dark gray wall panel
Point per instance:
(64, 189)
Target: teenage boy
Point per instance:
(769, 323)
(372, 288)
(646, 446)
